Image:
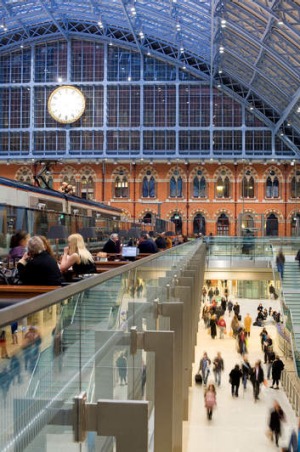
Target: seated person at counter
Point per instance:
(112, 245)
(18, 244)
(37, 267)
(146, 245)
(77, 256)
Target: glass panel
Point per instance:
(80, 343)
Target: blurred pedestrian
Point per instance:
(234, 379)
(247, 324)
(210, 400)
(277, 368)
(276, 417)
(257, 378)
(218, 367)
(204, 367)
(280, 261)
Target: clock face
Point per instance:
(66, 104)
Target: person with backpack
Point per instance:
(210, 400)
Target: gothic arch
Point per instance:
(120, 170)
(69, 171)
(195, 170)
(275, 212)
(223, 171)
(203, 212)
(180, 173)
(227, 213)
(144, 171)
(178, 211)
(87, 171)
(276, 170)
(244, 171)
(145, 211)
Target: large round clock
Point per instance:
(66, 104)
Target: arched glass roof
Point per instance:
(249, 48)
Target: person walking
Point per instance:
(213, 326)
(234, 379)
(218, 367)
(268, 347)
(280, 261)
(257, 377)
(247, 324)
(229, 306)
(204, 367)
(246, 371)
(276, 417)
(277, 368)
(222, 326)
(210, 400)
(122, 368)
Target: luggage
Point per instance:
(198, 379)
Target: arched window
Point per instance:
(199, 226)
(295, 225)
(87, 187)
(272, 225)
(199, 185)
(147, 218)
(295, 186)
(176, 185)
(148, 186)
(272, 185)
(222, 187)
(248, 185)
(121, 187)
(223, 225)
(176, 219)
(70, 180)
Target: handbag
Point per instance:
(198, 379)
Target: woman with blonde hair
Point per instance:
(77, 256)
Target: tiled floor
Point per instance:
(238, 424)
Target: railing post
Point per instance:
(162, 343)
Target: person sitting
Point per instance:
(37, 267)
(77, 256)
(18, 244)
(112, 245)
(147, 245)
(161, 242)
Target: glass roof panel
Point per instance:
(261, 38)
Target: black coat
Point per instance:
(235, 377)
(275, 420)
(110, 247)
(277, 368)
(147, 246)
(41, 270)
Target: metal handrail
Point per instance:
(24, 308)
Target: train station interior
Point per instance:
(132, 117)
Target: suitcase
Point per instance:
(198, 379)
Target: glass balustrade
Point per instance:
(80, 341)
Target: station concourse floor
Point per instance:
(238, 424)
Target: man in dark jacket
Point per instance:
(147, 245)
(277, 368)
(112, 245)
(257, 377)
(235, 378)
